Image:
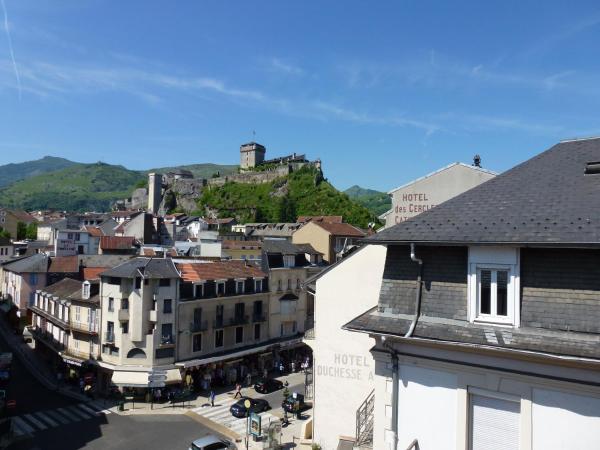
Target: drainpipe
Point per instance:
(418, 295)
(394, 354)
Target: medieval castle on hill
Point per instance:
(181, 184)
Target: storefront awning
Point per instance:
(236, 355)
(173, 376)
(130, 379)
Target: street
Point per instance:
(160, 432)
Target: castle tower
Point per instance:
(154, 192)
(251, 155)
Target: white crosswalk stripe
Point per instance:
(45, 418)
(28, 424)
(223, 416)
(40, 425)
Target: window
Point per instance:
(288, 307)
(114, 280)
(167, 306)
(138, 282)
(279, 285)
(80, 249)
(164, 282)
(33, 278)
(239, 287)
(257, 331)
(494, 285)
(289, 260)
(198, 290)
(197, 315)
(218, 338)
(239, 310)
(168, 352)
(239, 335)
(494, 420)
(220, 288)
(124, 303)
(78, 314)
(125, 327)
(111, 304)
(258, 285)
(167, 333)
(289, 284)
(219, 316)
(197, 342)
(257, 309)
(86, 290)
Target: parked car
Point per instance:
(294, 403)
(266, 385)
(211, 442)
(257, 405)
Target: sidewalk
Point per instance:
(37, 368)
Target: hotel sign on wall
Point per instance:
(410, 204)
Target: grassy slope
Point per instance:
(306, 195)
(9, 173)
(79, 187)
(375, 201)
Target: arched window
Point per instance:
(136, 353)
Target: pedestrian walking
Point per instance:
(281, 368)
(81, 384)
(238, 390)
(265, 373)
(212, 398)
(158, 394)
(293, 364)
(249, 379)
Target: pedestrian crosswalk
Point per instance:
(220, 414)
(29, 424)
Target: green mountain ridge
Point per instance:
(375, 201)
(9, 173)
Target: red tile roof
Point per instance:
(223, 221)
(218, 270)
(116, 242)
(64, 264)
(94, 231)
(341, 229)
(93, 273)
(328, 219)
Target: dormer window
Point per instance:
(289, 260)
(85, 290)
(494, 285)
(239, 286)
(198, 290)
(220, 288)
(258, 285)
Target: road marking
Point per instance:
(23, 426)
(70, 415)
(35, 421)
(100, 408)
(45, 418)
(78, 412)
(56, 416)
(87, 409)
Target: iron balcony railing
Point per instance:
(309, 329)
(201, 325)
(84, 327)
(238, 320)
(364, 421)
(259, 317)
(109, 336)
(218, 322)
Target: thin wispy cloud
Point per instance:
(10, 47)
(278, 65)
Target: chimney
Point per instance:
(477, 161)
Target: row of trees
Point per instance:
(24, 231)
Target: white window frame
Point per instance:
(483, 259)
(258, 285)
(239, 286)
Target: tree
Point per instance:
(4, 233)
(21, 230)
(31, 231)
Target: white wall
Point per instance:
(427, 406)
(564, 421)
(343, 366)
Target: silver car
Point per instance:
(211, 442)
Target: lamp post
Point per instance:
(247, 404)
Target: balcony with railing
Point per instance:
(218, 322)
(83, 327)
(364, 422)
(259, 317)
(47, 339)
(109, 337)
(166, 341)
(238, 320)
(51, 317)
(309, 329)
(197, 326)
(79, 354)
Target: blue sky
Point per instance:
(383, 92)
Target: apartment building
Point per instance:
(139, 321)
(486, 330)
(331, 239)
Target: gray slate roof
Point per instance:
(282, 246)
(36, 263)
(148, 267)
(546, 200)
(582, 345)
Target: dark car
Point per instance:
(294, 403)
(257, 405)
(267, 385)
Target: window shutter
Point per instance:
(494, 423)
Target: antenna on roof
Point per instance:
(477, 161)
